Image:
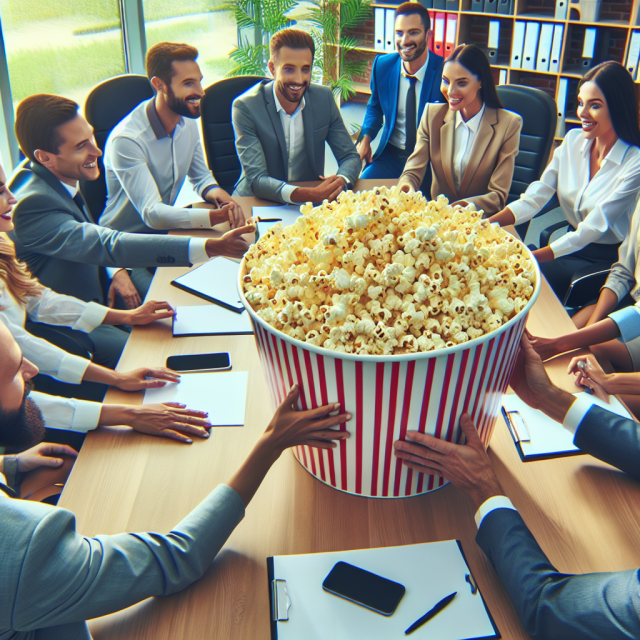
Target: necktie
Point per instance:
(410, 110)
(79, 200)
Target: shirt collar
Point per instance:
(419, 74)
(472, 123)
(616, 153)
(154, 120)
(279, 107)
(72, 190)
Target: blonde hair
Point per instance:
(14, 274)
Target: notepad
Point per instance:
(286, 214)
(209, 320)
(428, 571)
(216, 281)
(538, 437)
(223, 395)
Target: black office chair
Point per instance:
(217, 130)
(107, 104)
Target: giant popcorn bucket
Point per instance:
(388, 395)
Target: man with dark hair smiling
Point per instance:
(149, 154)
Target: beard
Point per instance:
(284, 90)
(417, 52)
(180, 106)
(25, 428)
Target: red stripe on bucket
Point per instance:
(426, 397)
(359, 419)
(391, 422)
(377, 422)
(408, 388)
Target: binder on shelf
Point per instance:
(634, 54)
(530, 46)
(505, 7)
(518, 45)
(556, 48)
(595, 47)
(561, 9)
(389, 31)
(493, 41)
(450, 33)
(438, 34)
(477, 5)
(562, 104)
(378, 19)
(502, 77)
(430, 39)
(544, 47)
(439, 5)
(490, 6)
(453, 5)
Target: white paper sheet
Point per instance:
(288, 213)
(428, 571)
(208, 320)
(547, 436)
(223, 395)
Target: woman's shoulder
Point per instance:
(504, 115)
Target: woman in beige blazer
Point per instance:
(472, 142)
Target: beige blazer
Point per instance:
(487, 178)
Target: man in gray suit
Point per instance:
(550, 605)
(281, 127)
(53, 579)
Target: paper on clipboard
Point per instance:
(286, 214)
(209, 320)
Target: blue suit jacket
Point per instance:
(383, 104)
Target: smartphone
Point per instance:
(200, 362)
(364, 588)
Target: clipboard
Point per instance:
(538, 437)
(269, 216)
(300, 608)
(209, 320)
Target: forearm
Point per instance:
(504, 217)
(98, 373)
(598, 333)
(118, 316)
(557, 403)
(607, 302)
(622, 383)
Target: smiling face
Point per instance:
(411, 37)
(7, 201)
(291, 69)
(593, 112)
(461, 88)
(184, 93)
(77, 154)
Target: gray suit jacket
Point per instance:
(558, 606)
(66, 251)
(53, 579)
(262, 148)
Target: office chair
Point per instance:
(217, 130)
(106, 105)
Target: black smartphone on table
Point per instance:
(200, 362)
(364, 588)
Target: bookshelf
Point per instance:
(617, 18)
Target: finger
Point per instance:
(420, 463)
(573, 365)
(328, 434)
(236, 233)
(163, 374)
(183, 411)
(469, 430)
(421, 469)
(60, 450)
(111, 297)
(320, 412)
(429, 442)
(50, 462)
(158, 306)
(160, 315)
(191, 430)
(331, 421)
(240, 219)
(195, 421)
(292, 397)
(334, 194)
(174, 435)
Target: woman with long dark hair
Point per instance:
(471, 142)
(595, 173)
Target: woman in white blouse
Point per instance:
(471, 142)
(595, 173)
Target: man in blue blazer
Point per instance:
(551, 605)
(413, 71)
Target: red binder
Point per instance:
(451, 28)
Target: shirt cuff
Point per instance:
(200, 218)
(197, 250)
(93, 316)
(493, 503)
(563, 246)
(111, 271)
(628, 321)
(207, 189)
(72, 368)
(86, 416)
(522, 210)
(577, 412)
(286, 193)
(347, 183)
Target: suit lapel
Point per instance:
(57, 186)
(307, 119)
(483, 138)
(446, 148)
(267, 94)
(394, 86)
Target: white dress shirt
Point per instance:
(464, 137)
(398, 136)
(145, 170)
(67, 413)
(54, 309)
(598, 209)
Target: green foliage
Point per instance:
(249, 60)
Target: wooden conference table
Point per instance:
(584, 514)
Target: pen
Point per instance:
(582, 365)
(431, 614)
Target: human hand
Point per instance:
(121, 283)
(231, 244)
(149, 312)
(364, 149)
(44, 455)
(545, 347)
(328, 189)
(232, 210)
(145, 378)
(466, 466)
(590, 371)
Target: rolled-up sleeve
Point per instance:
(628, 321)
(57, 309)
(67, 413)
(622, 278)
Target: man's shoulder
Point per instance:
(32, 190)
(319, 93)
(387, 61)
(132, 125)
(253, 95)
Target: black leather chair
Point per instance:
(107, 104)
(217, 130)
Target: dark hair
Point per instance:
(24, 427)
(414, 8)
(292, 38)
(474, 59)
(161, 56)
(619, 91)
(38, 118)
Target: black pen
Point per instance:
(431, 614)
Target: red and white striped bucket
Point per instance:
(388, 395)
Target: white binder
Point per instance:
(378, 16)
(634, 54)
(518, 45)
(589, 47)
(390, 31)
(556, 48)
(561, 9)
(563, 85)
(494, 34)
(503, 76)
(530, 45)
(439, 32)
(544, 47)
